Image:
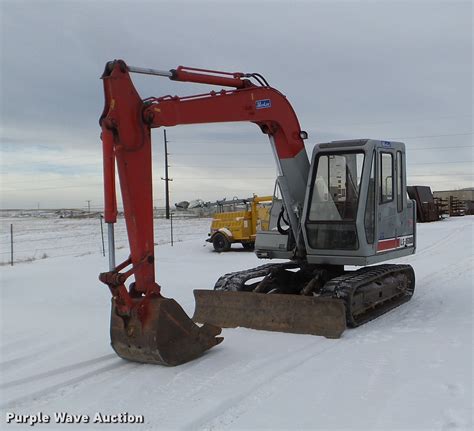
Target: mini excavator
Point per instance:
(345, 207)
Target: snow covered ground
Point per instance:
(408, 370)
(49, 236)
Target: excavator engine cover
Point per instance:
(272, 312)
(158, 331)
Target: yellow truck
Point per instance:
(232, 227)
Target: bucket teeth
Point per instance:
(158, 331)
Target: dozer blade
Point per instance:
(271, 312)
(167, 335)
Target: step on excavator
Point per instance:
(346, 207)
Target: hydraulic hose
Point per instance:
(281, 217)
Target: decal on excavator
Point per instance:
(395, 243)
(264, 103)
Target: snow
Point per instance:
(411, 369)
(47, 235)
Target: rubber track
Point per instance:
(345, 286)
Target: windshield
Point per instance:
(336, 187)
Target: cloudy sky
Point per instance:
(352, 69)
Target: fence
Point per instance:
(25, 239)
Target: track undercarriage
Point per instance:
(310, 299)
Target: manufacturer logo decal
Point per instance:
(264, 103)
(386, 144)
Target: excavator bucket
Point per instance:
(271, 312)
(158, 331)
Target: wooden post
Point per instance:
(11, 244)
(171, 224)
(102, 235)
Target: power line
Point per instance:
(440, 148)
(50, 161)
(266, 166)
(274, 177)
(197, 178)
(412, 120)
(223, 167)
(55, 188)
(389, 139)
(206, 154)
(98, 163)
(223, 178)
(260, 153)
(431, 136)
(441, 175)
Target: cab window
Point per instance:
(386, 177)
(334, 201)
(399, 182)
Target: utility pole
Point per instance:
(88, 206)
(166, 179)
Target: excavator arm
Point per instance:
(126, 124)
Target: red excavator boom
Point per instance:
(145, 326)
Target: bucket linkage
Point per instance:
(150, 328)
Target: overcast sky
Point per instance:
(353, 69)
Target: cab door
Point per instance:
(392, 221)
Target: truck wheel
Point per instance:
(220, 242)
(248, 245)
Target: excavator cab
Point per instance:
(356, 208)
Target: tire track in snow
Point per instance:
(42, 351)
(446, 240)
(198, 381)
(415, 314)
(22, 340)
(67, 384)
(230, 409)
(22, 360)
(56, 371)
(448, 271)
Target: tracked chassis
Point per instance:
(312, 299)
